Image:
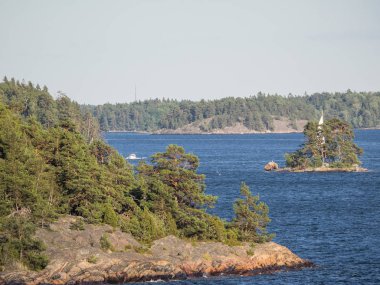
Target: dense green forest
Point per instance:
(36, 102)
(329, 144)
(52, 163)
(361, 110)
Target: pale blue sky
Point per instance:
(96, 51)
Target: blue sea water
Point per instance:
(332, 219)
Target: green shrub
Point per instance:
(56, 277)
(142, 249)
(250, 252)
(78, 225)
(18, 244)
(207, 256)
(216, 229)
(316, 162)
(127, 247)
(92, 259)
(36, 260)
(232, 237)
(105, 243)
(110, 217)
(251, 249)
(145, 226)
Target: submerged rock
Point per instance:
(76, 257)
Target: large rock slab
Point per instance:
(76, 257)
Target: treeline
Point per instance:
(361, 110)
(35, 102)
(50, 166)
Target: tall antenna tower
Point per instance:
(135, 93)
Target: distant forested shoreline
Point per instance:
(259, 113)
(256, 113)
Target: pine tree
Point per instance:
(332, 145)
(251, 217)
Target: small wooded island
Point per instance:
(72, 210)
(328, 147)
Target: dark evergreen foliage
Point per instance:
(251, 217)
(32, 102)
(52, 164)
(330, 144)
(361, 110)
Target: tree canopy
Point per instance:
(31, 101)
(330, 144)
(251, 217)
(259, 112)
(52, 163)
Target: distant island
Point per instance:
(328, 147)
(73, 210)
(261, 113)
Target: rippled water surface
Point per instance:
(332, 219)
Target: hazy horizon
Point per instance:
(98, 51)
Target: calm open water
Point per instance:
(332, 219)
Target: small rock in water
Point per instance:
(271, 166)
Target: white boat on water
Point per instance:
(133, 156)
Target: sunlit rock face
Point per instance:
(77, 256)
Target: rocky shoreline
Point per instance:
(273, 166)
(279, 127)
(323, 169)
(78, 257)
(227, 131)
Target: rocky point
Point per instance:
(78, 256)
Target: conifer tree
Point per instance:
(251, 217)
(330, 144)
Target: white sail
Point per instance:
(320, 122)
(320, 128)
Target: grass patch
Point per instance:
(251, 250)
(142, 249)
(92, 259)
(105, 243)
(78, 225)
(110, 231)
(232, 242)
(207, 256)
